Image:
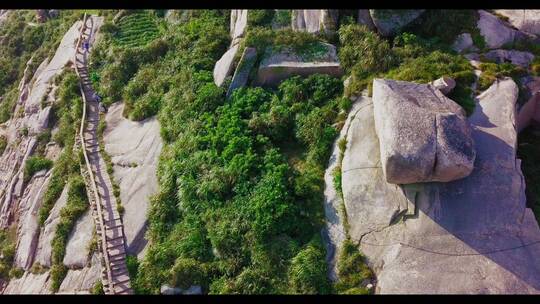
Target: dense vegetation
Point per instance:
(529, 153)
(34, 164)
(22, 39)
(3, 144)
(136, 29)
(365, 56)
(7, 252)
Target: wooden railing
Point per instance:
(97, 199)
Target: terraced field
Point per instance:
(137, 29)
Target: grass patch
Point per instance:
(493, 71)
(34, 164)
(136, 29)
(7, 251)
(352, 270)
(3, 144)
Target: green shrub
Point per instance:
(34, 164)
(3, 144)
(58, 273)
(98, 288)
(16, 273)
(352, 270)
(307, 274)
(260, 17)
(493, 71)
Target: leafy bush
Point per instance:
(493, 71)
(363, 54)
(34, 164)
(58, 273)
(7, 251)
(260, 17)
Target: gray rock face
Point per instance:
(76, 256)
(168, 290)
(30, 284)
(134, 148)
(278, 65)
(520, 58)
(314, 21)
(463, 43)
(529, 113)
(423, 134)
(388, 22)
(444, 84)
(365, 18)
(81, 281)
(495, 31)
(473, 235)
(224, 66)
(193, 290)
(238, 24)
(241, 75)
(44, 250)
(526, 20)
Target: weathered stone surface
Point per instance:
(515, 57)
(444, 84)
(134, 148)
(241, 75)
(81, 281)
(193, 290)
(30, 284)
(279, 65)
(463, 43)
(168, 290)
(314, 21)
(44, 250)
(526, 20)
(27, 234)
(334, 231)
(475, 233)
(78, 242)
(224, 66)
(365, 18)
(495, 31)
(423, 134)
(529, 113)
(238, 23)
(388, 22)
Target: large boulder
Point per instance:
(390, 21)
(224, 66)
(365, 18)
(520, 58)
(314, 21)
(238, 24)
(496, 32)
(280, 64)
(241, 75)
(473, 235)
(526, 20)
(463, 43)
(423, 134)
(78, 243)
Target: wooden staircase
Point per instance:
(107, 220)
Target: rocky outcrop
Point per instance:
(520, 58)
(30, 283)
(526, 20)
(423, 134)
(475, 232)
(238, 24)
(529, 113)
(444, 84)
(389, 22)
(224, 66)
(78, 243)
(28, 229)
(134, 148)
(496, 32)
(44, 250)
(314, 21)
(365, 18)
(463, 43)
(81, 281)
(278, 65)
(241, 75)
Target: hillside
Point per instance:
(269, 151)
